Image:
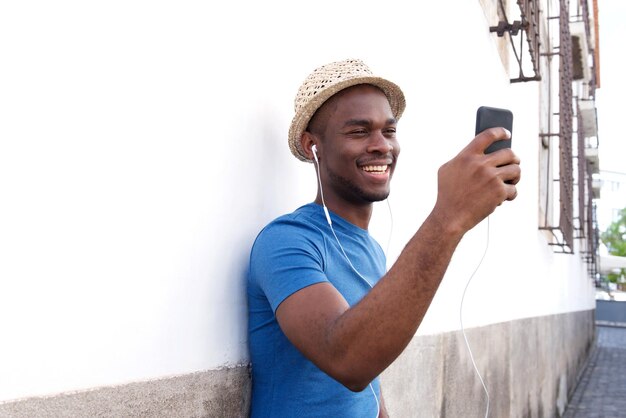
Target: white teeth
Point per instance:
(375, 168)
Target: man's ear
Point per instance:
(307, 140)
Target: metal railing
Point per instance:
(564, 232)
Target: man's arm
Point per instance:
(354, 345)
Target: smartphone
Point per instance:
(491, 117)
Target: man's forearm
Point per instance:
(373, 333)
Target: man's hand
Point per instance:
(473, 183)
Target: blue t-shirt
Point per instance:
(291, 253)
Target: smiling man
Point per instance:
(325, 318)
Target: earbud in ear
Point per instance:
(314, 149)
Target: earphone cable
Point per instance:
(469, 349)
(390, 228)
(330, 224)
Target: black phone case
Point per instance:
(491, 117)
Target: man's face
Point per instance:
(359, 145)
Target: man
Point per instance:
(325, 319)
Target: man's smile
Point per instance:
(376, 169)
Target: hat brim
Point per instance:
(301, 119)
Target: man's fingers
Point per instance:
(511, 192)
(482, 141)
(503, 157)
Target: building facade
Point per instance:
(148, 147)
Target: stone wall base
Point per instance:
(223, 393)
(530, 366)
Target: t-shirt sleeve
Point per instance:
(287, 257)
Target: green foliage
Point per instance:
(612, 277)
(615, 235)
(615, 240)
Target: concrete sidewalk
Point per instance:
(601, 390)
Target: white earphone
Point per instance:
(330, 224)
(314, 149)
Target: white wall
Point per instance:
(143, 145)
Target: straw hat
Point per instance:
(327, 80)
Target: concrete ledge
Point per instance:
(214, 393)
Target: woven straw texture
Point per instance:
(327, 80)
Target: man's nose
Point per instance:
(379, 143)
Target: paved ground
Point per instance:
(601, 392)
